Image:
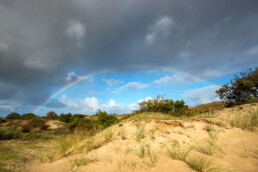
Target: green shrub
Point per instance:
(66, 117)
(36, 122)
(52, 115)
(9, 133)
(104, 120)
(242, 89)
(13, 115)
(28, 116)
(2, 120)
(82, 124)
(209, 107)
(160, 104)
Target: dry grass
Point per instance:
(202, 164)
(121, 133)
(140, 133)
(82, 161)
(217, 105)
(246, 122)
(153, 156)
(177, 153)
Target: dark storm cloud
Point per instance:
(40, 41)
(56, 104)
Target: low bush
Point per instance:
(202, 108)
(52, 115)
(168, 106)
(28, 116)
(65, 117)
(9, 133)
(82, 124)
(104, 120)
(13, 115)
(2, 120)
(36, 122)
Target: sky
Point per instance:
(79, 56)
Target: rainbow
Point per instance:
(82, 78)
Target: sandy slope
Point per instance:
(235, 150)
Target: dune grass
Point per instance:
(82, 161)
(246, 122)
(202, 164)
(121, 133)
(140, 133)
(153, 156)
(141, 151)
(177, 153)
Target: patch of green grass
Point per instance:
(153, 156)
(206, 149)
(122, 133)
(107, 135)
(178, 154)
(63, 144)
(140, 133)
(82, 161)
(248, 122)
(2, 169)
(151, 134)
(202, 165)
(7, 153)
(141, 152)
(46, 157)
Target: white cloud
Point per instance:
(131, 86)
(253, 51)
(176, 79)
(90, 105)
(146, 99)
(135, 106)
(71, 76)
(76, 30)
(202, 95)
(112, 82)
(161, 29)
(7, 108)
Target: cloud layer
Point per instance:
(42, 41)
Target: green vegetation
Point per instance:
(242, 89)
(104, 120)
(52, 115)
(167, 106)
(28, 116)
(178, 154)
(249, 121)
(202, 164)
(13, 115)
(140, 133)
(209, 107)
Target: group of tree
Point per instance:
(168, 106)
(243, 88)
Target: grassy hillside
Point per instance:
(220, 139)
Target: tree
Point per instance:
(13, 115)
(28, 116)
(52, 115)
(241, 89)
(66, 117)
